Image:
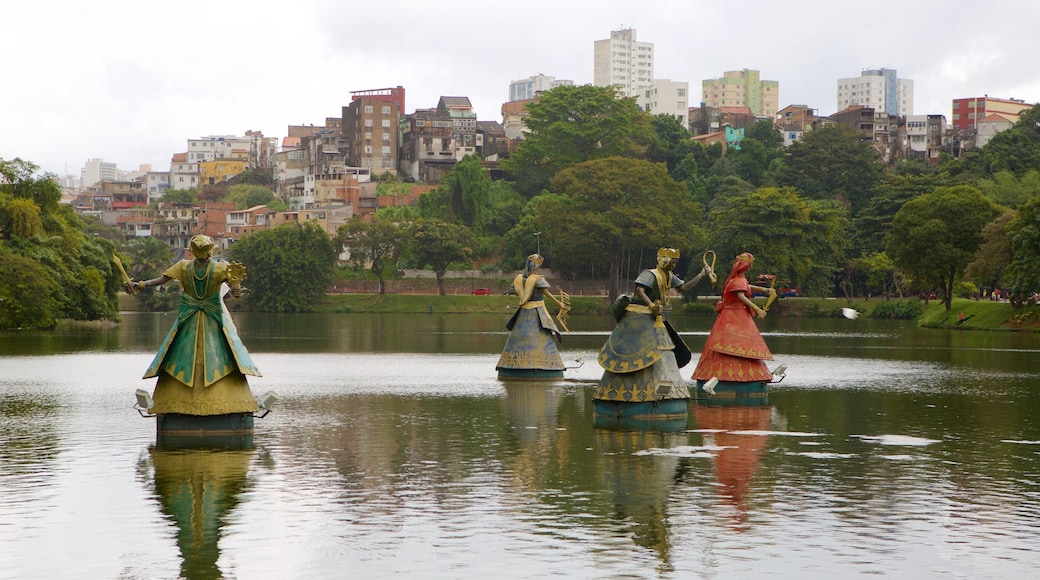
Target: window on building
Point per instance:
(386, 123)
(386, 109)
(368, 109)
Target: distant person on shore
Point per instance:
(531, 347)
(735, 350)
(644, 351)
(202, 363)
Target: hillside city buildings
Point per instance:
(324, 172)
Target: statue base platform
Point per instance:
(178, 424)
(665, 409)
(734, 393)
(529, 374)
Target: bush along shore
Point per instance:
(964, 314)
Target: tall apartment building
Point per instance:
(96, 171)
(370, 125)
(969, 111)
(742, 88)
(879, 89)
(526, 89)
(623, 62)
(665, 97)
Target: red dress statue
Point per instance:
(735, 350)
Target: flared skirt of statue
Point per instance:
(228, 394)
(735, 350)
(531, 344)
(637, 359)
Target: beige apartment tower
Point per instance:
(742, 88)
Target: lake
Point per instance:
(394, 452)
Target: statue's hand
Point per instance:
(132, 287)
(761, 313)
(236, 291)
(657, 309)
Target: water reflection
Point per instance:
(197, 483)
(740, 435)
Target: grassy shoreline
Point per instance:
(978, 314)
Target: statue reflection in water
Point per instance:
(197, 485)
(640, 485)
(741, 432)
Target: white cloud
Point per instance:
(131, 82)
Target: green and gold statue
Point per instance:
(531, 348)
(202, 364)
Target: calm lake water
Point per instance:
(394, 452)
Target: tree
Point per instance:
(934, 236)
(994, 254)
(618, 204)
(572, 124)
(150, 257)
(288, 268)
(439, 244)
(29, 293)
(1016, 150)
(377, 245)
(1023, 273)
(34, 225)
(832, 162)
(796, 239)
(467, 188)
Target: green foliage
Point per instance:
(833, 162)
(994, 254)
(30, 296)
(1006, 189)
(1016, 150)
(246, 196)
(934, 236)
(1023, 271)
(467, 189)
(148, 259)
(610, 206)
(180, 196)
(377, 245)
(289, 268)
(798, 240)
(439, 244)
(898, 309)
(573, 124)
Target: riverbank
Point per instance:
(977, 314)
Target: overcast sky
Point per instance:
(130, 82)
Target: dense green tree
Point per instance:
(289, 268)
(798, 240)
(245, 196)
(1016, 150)
(439, 244)
(34, 225)
(874, 221)
(30, 296)
(149, 258)
(832, 162)
(669, 141)
(881, 275)
(765, 133)
(572, 124)
(1008, 190)
(616, 205)
(994, 254)
(180, 196)
(376, 245)
(1023, 273)
(467, 188)
(935, 235)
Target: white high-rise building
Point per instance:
(526, 89)
(97, 170)
(623, 62)
(666, 97)
(879, 89)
